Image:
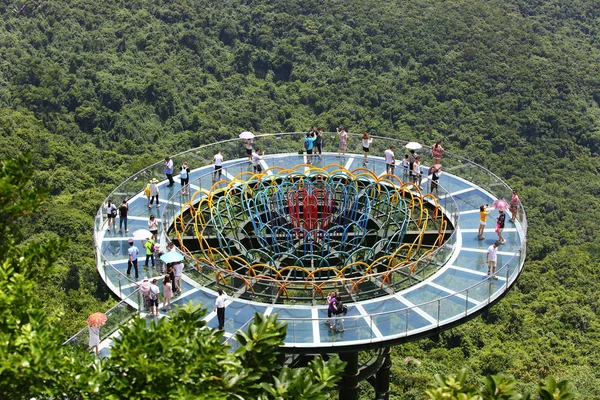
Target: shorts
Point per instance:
(258, 168)
(154, 232)
(248, 151)
(154, 303)
(365, 149)
(492, 264)
(218, 167)
(309, 151)
(185, 181)
(481, 222)
(112, 215)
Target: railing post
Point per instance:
(438, 312)
(467, 303)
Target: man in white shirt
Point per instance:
(168, 168)
(390, 161)
(220, 308)
(491, 258)
(178, 270)
(256, 159)
(154, 296)
(218, 166)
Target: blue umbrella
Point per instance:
(171, 257)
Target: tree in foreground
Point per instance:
(172, 358)
(496, 387)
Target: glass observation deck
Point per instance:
(455, 289)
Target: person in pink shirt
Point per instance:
(436, 151)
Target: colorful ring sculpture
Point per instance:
(298, 233)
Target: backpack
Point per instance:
(306, 143)
(152, 248)
(183, 174)
(152, 295)
(341, 308)
(344, 309)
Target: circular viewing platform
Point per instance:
(406, 262)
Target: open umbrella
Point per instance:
(500, 205)
(435, 168)
(142, 234)
(96, 319)
(413, 146)
(246, 135)
(172, 256)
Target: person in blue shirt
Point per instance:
(309, 142)
(133, 258)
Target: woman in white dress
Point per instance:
(94, 338)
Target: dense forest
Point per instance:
(98, 90)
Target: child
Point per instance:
(167, 293)
(483, 213)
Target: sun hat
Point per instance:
(154, 180)
(130, 240)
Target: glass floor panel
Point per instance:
(472, 199)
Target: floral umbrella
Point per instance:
(96, 319)
(500, 205)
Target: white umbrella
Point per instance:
(142, 234)
(413, 146)
(246, 135)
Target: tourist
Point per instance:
(330, 296)
(514, 206)
(178, 272)
(249, 146)
(484, 211)
(256, 161)
(154, 192)
(319, 142)
(343, 141)
(309, 142)
(435, 179)
(133, 258)
(412, 156)
(218, 158)
(220, 308)
(500, 226)
(390, 161)
(94, 342)
(154, 297)
(417, 171)
(405, 168)
(168, 168)
(171, 274)
(331, 310)
(111, 214)
(147, 193)
(145, 289)
(339, 314)
(366, 142)
(123, 209)
(184, 177)
(153, 227)
(491, 259)
(157, 254)
(167, 293)
(436, 151)
(149, 246)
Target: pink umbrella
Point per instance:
(96, 319)
(500, 205)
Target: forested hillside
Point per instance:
(99, 89)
